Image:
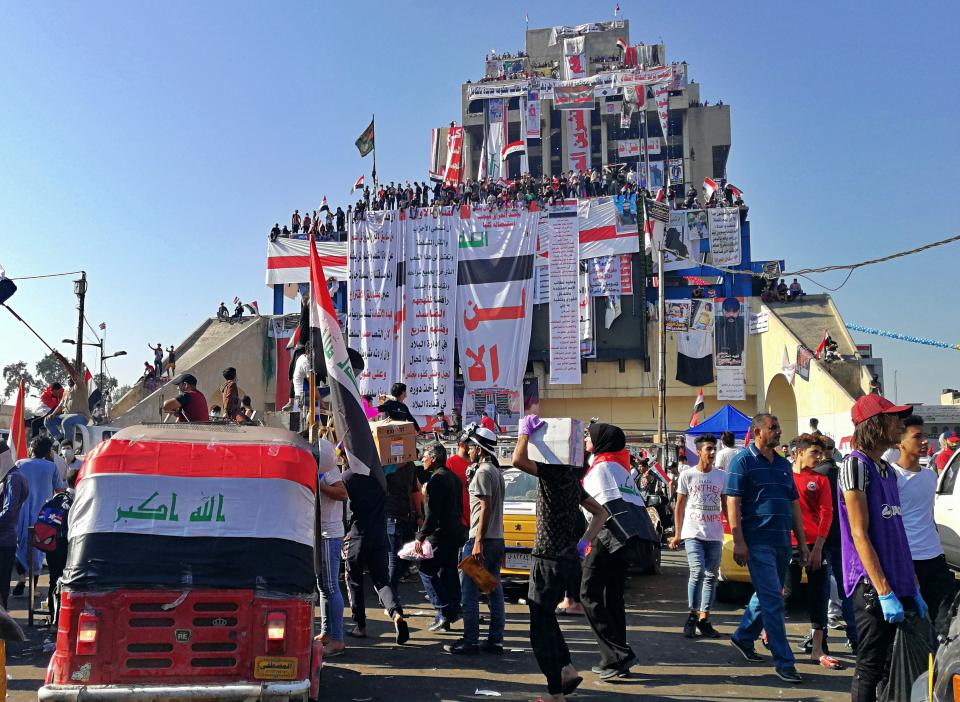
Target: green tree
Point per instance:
(108, 385)
(13, 374)
(50, 370)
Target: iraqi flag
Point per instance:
(514, 147)
(709, 188)
(357, 185)
(823, 344)
(660, 473)
(349, 418)
(698, 406)
(18, 426)
(734, 190)
(93, 390)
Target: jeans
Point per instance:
(703, 558)
(365, 546)
(331, 599)
(441, 580)
(835, 560)
(70, 421)
(548, 579)
(768, 571)
(52, 425)
(470, 595)
(818, 590)
(601, 592)
(937, 587)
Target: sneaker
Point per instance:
(706, 628)
(789, 675)
(458, 648)
(441, 624)
(690, 628)
(837, 623)
(746, 651)
(597, 670)
(492, 647)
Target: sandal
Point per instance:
(831, 663)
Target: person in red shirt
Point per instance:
(951, 442)
(458, 464)
(190, 405)
(816, 506)
(486, 421)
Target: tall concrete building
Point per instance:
(699, 135)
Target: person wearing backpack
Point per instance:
(50, 537)
(13, 493)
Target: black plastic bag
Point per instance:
(910, 658)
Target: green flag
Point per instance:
(365, 141)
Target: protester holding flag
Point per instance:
(365, 544)
(74, 407)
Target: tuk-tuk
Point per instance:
(190, 572)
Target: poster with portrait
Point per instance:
(701, 315)
(678, 315)
(730, 332)
(698, 224)
(804, 358)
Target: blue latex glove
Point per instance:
(529, 424)
(922, 608)
(892, 609)
(582, 546)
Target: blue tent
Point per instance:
(727, 418)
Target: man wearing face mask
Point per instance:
(67, 460)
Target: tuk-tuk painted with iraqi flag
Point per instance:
(190, 571)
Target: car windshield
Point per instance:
(521, 487)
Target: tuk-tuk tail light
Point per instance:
(276, 629)
(87, 629)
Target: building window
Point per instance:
(513, 103)
(720, 154)
(475, 107)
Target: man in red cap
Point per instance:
(951, 442)
(878, 572)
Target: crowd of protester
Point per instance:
(777, 290)
(616, 180)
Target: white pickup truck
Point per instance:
(946, 510)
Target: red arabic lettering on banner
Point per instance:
(578, 140)
(573, 96)
(454, 155)
(626, 274)
(574, 62)
(662, 97)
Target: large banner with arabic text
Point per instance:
(495, 297)
(430, 314)
(372, 298)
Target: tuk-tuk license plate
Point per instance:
(271, 668)
(517, 560)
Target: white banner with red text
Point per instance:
(564, 298)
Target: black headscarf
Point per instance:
(607, 438)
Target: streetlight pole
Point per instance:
(80, 288)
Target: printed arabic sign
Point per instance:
(564, 299)
(724, 225)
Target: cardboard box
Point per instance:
(558, 442)
(396, 441)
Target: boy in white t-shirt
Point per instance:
(697, 523)
(918, 486)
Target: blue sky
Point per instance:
(154, 145)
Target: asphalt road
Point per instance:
(671, 667)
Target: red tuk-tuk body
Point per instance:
(190, 573)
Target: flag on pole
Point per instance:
(660, 473)
(823, 344)
(616, 10)
(734, 190)
(103, 326)
(514, 147)
(698, 406)
(324, 205)
(349, 418)
(93, 390)
(18, 426)
(709, 188)
(365, 141)
(357, 185)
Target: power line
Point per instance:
(48, 275)
(803, 272)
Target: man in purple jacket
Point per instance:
(878, 570)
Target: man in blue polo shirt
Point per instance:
(762, 509)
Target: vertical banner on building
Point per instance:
(496, 137)
(574, 61)
(371, 298)
(724, 227)
(431, 312)
(661, 96)
(676, 171)
(587, 337)
(677, 246)
(730, 332)
(578, 140)
(495, 298)
(533, 113)
(435, 171)
(451, 173)
(564, 294)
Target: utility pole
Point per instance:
(80, 288)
